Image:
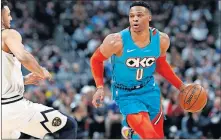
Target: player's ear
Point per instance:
(150, 18)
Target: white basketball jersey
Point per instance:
(12, 79)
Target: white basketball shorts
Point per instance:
(30, 118)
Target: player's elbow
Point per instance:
(23, 57)
(92, 60)
(97, 57)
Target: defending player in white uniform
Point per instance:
(18, 114)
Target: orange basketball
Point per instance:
(193, 98)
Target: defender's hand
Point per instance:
(32, 78)
(98, 97)
(46, 75)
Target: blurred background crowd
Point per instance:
(63, 35)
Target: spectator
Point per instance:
(190, 128)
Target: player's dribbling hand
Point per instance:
(182, 87)
(98, 97)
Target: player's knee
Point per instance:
(69, 131)
(71, 124)
(142, 122)
(135, 119)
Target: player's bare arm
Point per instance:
(163, 68)
(13, 44)
(112, 45)
(164, 43)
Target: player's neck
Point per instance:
(3, 27)
(141, 36)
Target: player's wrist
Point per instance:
(182, 87)
(100, 87)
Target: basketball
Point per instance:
(193, 98)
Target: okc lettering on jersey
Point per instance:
(137, 62)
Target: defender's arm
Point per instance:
(14, 43)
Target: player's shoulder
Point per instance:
(113, 39)
(164, 41)
(13, 33)
(164, 36)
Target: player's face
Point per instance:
(6, 17)
(139, 18)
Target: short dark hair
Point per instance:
(4, 3)
(141, 3)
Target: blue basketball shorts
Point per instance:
(141, 100)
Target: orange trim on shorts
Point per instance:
(159, 115)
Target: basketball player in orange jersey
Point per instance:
(136, 53)
(18, 114)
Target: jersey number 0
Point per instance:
(139, 75)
